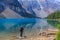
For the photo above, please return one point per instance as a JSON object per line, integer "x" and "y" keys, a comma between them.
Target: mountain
{"x": 1, "y": 7}
{"x": 16, "y": 7}
{"x": 8, "y": 13}
{"x": 32, "y": 8}
{"x": 41, "y": 8}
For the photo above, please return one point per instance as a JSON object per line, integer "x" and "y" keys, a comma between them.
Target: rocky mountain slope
{"x": 16, "y": 7}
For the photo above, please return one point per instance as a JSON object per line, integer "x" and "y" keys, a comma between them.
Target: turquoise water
{"x": 30, "y": 25}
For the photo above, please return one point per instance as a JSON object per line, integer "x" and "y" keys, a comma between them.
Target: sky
{"x": 57, "y": 0}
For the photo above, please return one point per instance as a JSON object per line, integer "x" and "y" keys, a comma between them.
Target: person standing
{"x": 21, "y": 31}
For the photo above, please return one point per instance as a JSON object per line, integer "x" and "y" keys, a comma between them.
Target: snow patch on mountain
{"x": 42, "y": 8}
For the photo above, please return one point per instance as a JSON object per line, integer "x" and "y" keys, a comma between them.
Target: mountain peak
{"x": 45, "y": 7}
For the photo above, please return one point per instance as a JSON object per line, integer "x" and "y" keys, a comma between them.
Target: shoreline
{"x": 51, "y": 34}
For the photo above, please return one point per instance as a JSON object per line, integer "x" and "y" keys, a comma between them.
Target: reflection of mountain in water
{"x": 13, "y": 25}
{"x": 53, "y": 22}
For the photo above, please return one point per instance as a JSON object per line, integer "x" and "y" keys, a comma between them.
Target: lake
{"x": 32, "y": 26}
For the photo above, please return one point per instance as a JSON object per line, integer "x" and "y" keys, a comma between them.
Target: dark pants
{"x": 21, "y": 33}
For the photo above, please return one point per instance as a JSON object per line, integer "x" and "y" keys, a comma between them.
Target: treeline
{"x": 55, "y": 15}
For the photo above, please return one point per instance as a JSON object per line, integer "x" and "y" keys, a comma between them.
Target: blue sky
{"x": 57, "y": 0}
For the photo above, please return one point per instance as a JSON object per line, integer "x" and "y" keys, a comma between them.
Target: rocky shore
{"x": 45, "y": 35}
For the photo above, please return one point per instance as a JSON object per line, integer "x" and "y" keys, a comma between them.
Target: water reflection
{"x": 31, "y": 26}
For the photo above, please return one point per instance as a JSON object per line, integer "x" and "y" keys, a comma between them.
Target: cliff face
{"x": 16, "y": 7}
{"x": 1, "y": 7}
{"x": 41, "y": 8}
{"x": 33, "y": 8}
